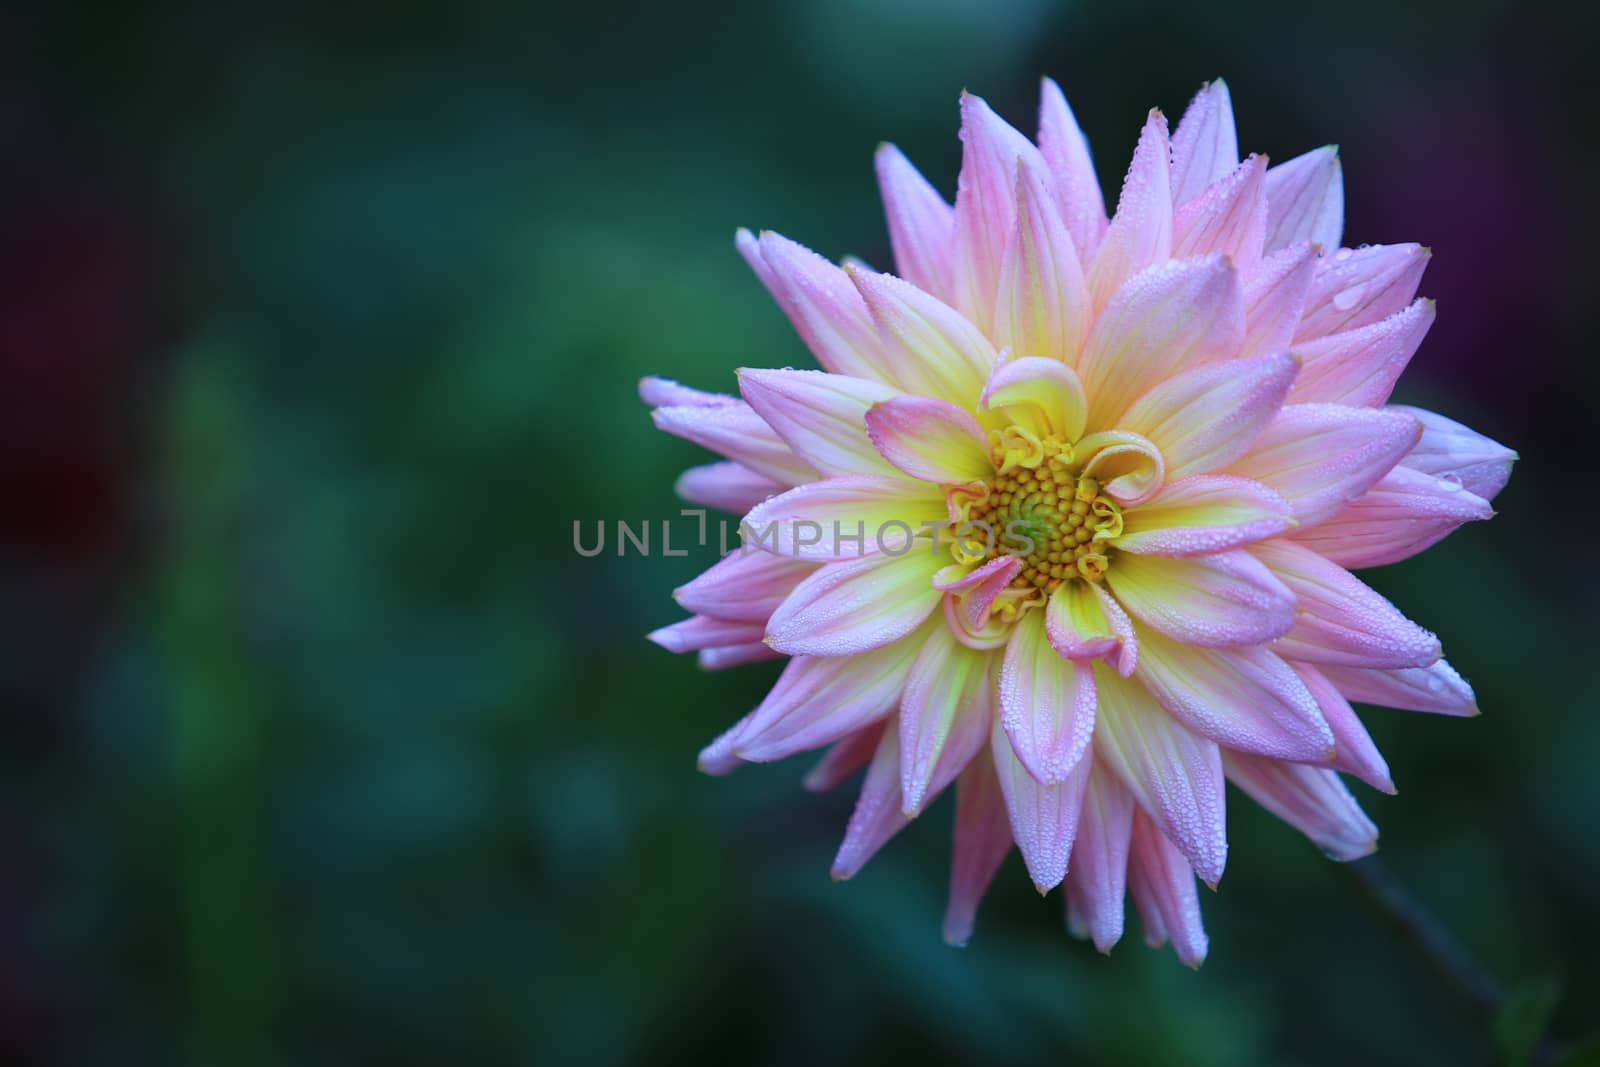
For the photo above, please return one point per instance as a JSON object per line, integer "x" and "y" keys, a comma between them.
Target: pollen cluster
{"x": 1039, "y": 507}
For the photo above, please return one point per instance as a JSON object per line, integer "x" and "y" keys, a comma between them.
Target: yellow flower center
{"x": 1038, "y": 507}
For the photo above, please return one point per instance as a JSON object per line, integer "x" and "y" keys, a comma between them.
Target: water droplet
{"x": 1450, "y": 482}
{"x": 1345, "y": 299}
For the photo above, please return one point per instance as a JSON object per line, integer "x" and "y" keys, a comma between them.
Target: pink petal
{"x": 1219, "y": 601}
{"x": 1164, "y": 892}
{"x": 878, "y": 815}
{"x": 1451, "y": 451}
{"x": 1275, "y": 292}
{"x": 1406, "y": 512}
{"x": 844, "y": 759}
{"x": 1305, "y": 200}
{"x": 718, "y": 758}
{"x": 703, "y": 631}
{"x": 922, "y": 227}
{"x": 726, "y": 487}
{"x": 1230, "y": 217}
{"x": 1140, "y": 235}
{"x": 819, "y": 699}
{"x": 822, "y": 416}
{"x": 982, "y": 840}
{"x": 737, "y": 432}
{"x": 1354, "y": 751}
{"x": 1046, "y": 703}
{"x": 1342, "y": 620}
{"x": 1438, "y": 689}
{"x": 824, "y": 308}
{"x": 1044, "y": 818}
{"x": 1084, "y": 622}
{"x": 1204, "y": 513}
{"x": 986, "y": 200}
{"x": 933, "y": 349}
{"x": 1042, "y": 304}
{"x": 1244, "y": 698}
{"x": 977, "y": 587}
{"x": 846, "y": 518}
{"x": 1175, "y": 776}
{"x": 1360, "y": 366}
{"x": 1311, "y": 799}
{"x": 1355, "y": 287}
{"x": 1322, "y": 457}
{"x": 847, "y": 608}
{"x": 1097, "y": 881}
{"x": 1066, "y": 153}
{"x": 1205, "y": 418}
{"x": 1043, "y": 392}
{"x": 743, "y": 585}
{"x": 1175, "y": 315}
{"x": 1205, "y": 147}
{"x": 930, "y": 439}
{"x": 728, "y": 656}
{"x": 1127, "y": 465}
{"x": 666, "y": 393}
{"x": 948, "y": 682}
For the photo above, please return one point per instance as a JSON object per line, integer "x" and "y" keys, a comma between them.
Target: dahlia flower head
{"x": 1069, "y": 515}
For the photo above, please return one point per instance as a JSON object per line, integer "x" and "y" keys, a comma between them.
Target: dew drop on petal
{"x": 1450, "y": 482}
{"x": 1345, "y": 299}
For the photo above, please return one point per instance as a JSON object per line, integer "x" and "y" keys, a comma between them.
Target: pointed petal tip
{"x": 956, "y": 940}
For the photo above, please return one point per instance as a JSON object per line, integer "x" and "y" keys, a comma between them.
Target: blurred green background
{"x": 321, "y": 328}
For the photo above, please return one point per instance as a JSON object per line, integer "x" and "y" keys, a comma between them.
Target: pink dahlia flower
{"x": 1068, "y": 516}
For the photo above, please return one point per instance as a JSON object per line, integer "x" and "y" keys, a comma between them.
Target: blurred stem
{"x": 216, "y": 724}
{"x": 1432, "y": 939}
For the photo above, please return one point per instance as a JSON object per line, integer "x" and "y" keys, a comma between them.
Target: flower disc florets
{"x": 1040, "y": 508}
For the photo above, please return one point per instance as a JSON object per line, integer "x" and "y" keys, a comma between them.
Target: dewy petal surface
{"x": 1066, "y": 154}
{"x": 1305, "y": 200}
{"x": 1046, "y": 703}
{"x": 1044, "y": 818}
{"x": 1177, "y": 314}
{"x": 1404, "y": 513}
{"x": 1323, "y": 457}
{"x": 1097, "y": 879}
{"x": 1205, "y": 418}
{"x": 1042, "y": 306}
{"x": 1450, "y": 451}
{"x": 1223, "y": 600}
{"x": 1140, "y": 235}
{"x": 821, "y": 416}
{"x": 845, "y": 518}
{"x": 823, "y": 306}
{"x": 852, "y": 607}
{"x": 1206, "y": 145}
{"x": 931, "y": 440}
{"x": 1175, "y": 776}
{"x": 1205, "y": 513}
{"x": 922, "y": 227}
{"x": 1245, "y": 698}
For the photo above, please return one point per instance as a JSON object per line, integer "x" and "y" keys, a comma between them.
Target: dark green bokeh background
{"x": 324, "y": 747}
